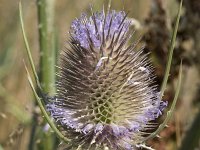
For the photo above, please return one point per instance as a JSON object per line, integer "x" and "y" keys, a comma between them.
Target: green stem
{"x": 47, "y": 57}
{"x": 46, "y": 41}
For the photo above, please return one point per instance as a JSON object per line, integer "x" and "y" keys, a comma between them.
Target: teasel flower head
{"x": 106, "y": 96}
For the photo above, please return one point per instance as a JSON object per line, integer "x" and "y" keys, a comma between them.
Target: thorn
{"x": 144, "y": 146}
{"x": 158, "y": 136}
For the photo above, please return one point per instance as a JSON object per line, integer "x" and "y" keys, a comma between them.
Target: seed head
{"x": 106, "y": 97}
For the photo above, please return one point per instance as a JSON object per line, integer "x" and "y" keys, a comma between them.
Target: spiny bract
{"x": 105, "y": 93}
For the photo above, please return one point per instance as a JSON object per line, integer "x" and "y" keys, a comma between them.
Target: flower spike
{"x": 106, "y": 97}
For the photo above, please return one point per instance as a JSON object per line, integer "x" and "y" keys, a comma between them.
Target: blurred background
{"x": 22, "y": 126}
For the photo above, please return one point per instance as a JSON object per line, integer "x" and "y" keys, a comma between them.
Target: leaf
{"x": 28, "y": 47}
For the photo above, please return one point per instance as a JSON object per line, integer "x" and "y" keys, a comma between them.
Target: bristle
{"x": 105, "y": 96}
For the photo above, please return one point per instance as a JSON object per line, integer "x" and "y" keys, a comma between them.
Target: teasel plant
{"x": 106, "y": 97}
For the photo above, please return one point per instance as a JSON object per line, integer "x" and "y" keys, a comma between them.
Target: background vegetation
{"x": 21, "y": 124}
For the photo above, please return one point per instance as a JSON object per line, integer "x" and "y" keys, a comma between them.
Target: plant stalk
{"x": 46, "y": 43}
{"x": 47, "y": 60}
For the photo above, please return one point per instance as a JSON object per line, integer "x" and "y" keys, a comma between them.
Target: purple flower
{"x": 105, "y": 93}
